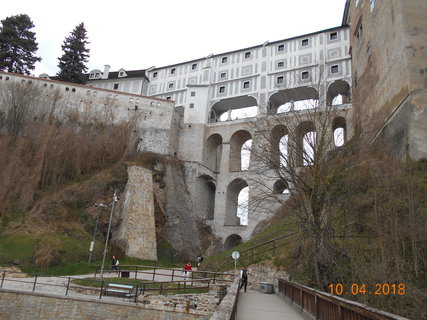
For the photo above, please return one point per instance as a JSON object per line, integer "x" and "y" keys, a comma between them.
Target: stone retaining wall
{"x": 24, "y": 305}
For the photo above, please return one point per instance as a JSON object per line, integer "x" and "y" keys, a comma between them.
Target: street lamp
{"x": 108, "y": 233}
{"x": 100, "y": 207}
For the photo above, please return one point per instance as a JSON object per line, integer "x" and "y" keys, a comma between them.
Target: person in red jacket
{"x": 187, "y": 270}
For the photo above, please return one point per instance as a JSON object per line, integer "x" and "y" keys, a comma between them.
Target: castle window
{"x": 173, "y": 70}
{"x": 281, "y": 47}
{"x": 193, "y": 93}
{"x": 121, "y": 74}
{"x": 191, "y": 105}
{"x": 222, "y": 89}
{"x": 224, "y": 60}
{"x": 247, "y": 55}
{"x": 223, "y": 75}
{"x": 279, "y": 79}
{"x": 280, "y": 64}
{"x": 194, "y": 66}
{"x": 333, "y": 36}
{"x": 116, "y": 86}
{"x": 246, "y": 85}
{"x": 168, "y": 98}
{"x": 304, "y": 75}
{"x": 334, "y": 69}
{"x": 154, "y": 74}
{"x": 304, "y": 42}
{"x": 171, "y": 85}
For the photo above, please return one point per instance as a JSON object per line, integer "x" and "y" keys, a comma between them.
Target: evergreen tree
{"x": 18, "y": 45}
{"x": 72, "y": 63}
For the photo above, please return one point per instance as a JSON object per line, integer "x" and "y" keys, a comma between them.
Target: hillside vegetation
{"x": 378, "y": 216}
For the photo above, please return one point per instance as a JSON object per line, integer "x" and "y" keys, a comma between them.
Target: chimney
{"x": 106, "y": 71}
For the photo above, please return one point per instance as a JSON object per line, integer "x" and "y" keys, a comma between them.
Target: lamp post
{"x": 100, "y": 207}
{"x": 108, "y": 233}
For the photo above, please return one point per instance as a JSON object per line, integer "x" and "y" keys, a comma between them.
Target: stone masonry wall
{"x": 137, "y": 232}
{"x": 23, "y": 305}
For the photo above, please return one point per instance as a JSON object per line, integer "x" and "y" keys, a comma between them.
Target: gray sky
{"x": 138, "y": 34}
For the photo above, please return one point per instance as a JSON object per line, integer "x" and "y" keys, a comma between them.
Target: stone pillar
{"x": 137, "y": 232}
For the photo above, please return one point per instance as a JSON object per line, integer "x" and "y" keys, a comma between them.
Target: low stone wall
{"x": 265, "y": 273}
{"x": 24, "y": 305}
{"x": 224, "y": 310}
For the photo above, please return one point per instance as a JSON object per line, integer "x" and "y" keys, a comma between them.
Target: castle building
{"x": 388, "y": 48}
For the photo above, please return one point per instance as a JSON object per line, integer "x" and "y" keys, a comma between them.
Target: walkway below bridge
{"x": 254, "y": 305}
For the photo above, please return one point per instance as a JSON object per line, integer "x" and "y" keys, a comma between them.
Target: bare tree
{"x": 294, "y": 149}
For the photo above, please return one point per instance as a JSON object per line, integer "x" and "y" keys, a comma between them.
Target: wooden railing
{"x": 250, "y": 255}
{"x": 323, "y": 306}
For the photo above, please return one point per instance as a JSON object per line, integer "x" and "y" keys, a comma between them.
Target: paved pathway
{"x": 261, "y": 306}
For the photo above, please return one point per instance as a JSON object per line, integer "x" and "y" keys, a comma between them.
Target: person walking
{"x": 114, "y": 263}
{"x": 244, "y": 278}
{"x": 199, "y": 260}
{"x": 187, "y": 270}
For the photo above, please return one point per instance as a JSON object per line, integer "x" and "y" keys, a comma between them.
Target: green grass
{"x": 171, "y": 287}
{"x": 275, "y": 230}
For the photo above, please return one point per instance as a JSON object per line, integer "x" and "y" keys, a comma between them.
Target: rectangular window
{"x": 281, "y": 47}
{"x": 224, "y": 60}
{"x": 246, "y": 85}
{"x": 334, "y": 69}
{"x": 333, "y": 36}
{"x": 304, "y": 75}
{"x": 279, "y": 79}
{"x": 280, "y": 64}
{"x": 170, "y": 85}
{"x": 247, "y": 55}
{"x": 222, "y": 89}
{"x": 155, "y": 75}
{"x": 168, "y": 98}
{"x": 194, "y": 66}
{"x": 116, "y": 86}
{"x": 173, "y": 70}
{"x": 304, "y": 42}
{"x": 222, "y": 75}
{"x": 191, "y": 105}
{"x": 193, "y": 93}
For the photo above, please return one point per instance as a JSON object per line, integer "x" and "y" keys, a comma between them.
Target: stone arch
{"x": 236, "y": 105}
{"x": 205, "y": 196}
{"x": 339, "y": 128}
{"x": 338, "y": 88}
{"x": 213, "y": 152}
{"x": 237, "y": 141}
{"x": 232, "y": 202}
{"x": 299, "y": 98}
{"x": 279, "y": 146}
{"x": 232, "y": 241}
{"x": 305, "y": 143}
{"x": 281, "y": 187}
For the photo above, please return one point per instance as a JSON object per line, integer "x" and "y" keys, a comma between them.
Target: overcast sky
{"x": 138, "y": 34}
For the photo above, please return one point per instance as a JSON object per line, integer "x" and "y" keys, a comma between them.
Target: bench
{"x": 123, "y": 290}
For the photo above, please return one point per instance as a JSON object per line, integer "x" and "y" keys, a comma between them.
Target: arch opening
{"x": 295, "y": 99}
{"x": 279, "y": 146}
{"x": 213, "y": 152}
{"x": 281, "y": 187}
{"x": 233, "y": 109}
{"x": 339, "y": 92}
{"x": 339, "y": 127}
{"x": 232, "y": 241}
{"x": 238, "y": 149}
{"x": 306, "y": 143}
{"x": 236, "y": 203}
{"x": 205, "y": 195}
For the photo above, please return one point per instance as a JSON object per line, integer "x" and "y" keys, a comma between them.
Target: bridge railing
{"x": 323, "y": 306}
